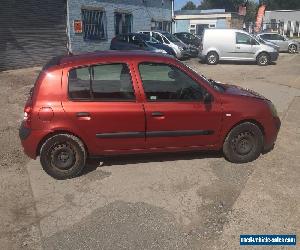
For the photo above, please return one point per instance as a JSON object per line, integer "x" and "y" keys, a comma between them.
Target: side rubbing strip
{"x": 177, "y": 133}
{"x": 121, "y": 135}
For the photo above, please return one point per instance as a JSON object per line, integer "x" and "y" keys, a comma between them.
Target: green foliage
{"x": 281, "y": 4}
{"x": 189, "y": 6}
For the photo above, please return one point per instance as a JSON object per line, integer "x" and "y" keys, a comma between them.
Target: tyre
{"x": 244, "y": 143}
{"x": 292, "y": 48}
{"x": 212, "y": 58}
{"x": 63, "y": 156}
{"x": 263, "y": 59}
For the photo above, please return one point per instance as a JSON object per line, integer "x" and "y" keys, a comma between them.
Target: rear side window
{"x": 109, "y": 82}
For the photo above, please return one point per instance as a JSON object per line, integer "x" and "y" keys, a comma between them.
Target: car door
{"x": 176, "y": 115}
{"x": 280, "y": 41}
{"x": 244, "y": 49}
{"x": 102, "y": 107}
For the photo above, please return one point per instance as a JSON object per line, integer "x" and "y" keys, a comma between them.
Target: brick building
{"x": 93, "y": 23}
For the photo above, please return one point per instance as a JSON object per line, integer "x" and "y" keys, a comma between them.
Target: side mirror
{"x": 172, "y": 74}
{"x": 207, "y": 98}
{"x": 253, "y": 42}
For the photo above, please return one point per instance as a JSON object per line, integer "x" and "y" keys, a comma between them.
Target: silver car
{"x": 180, "y": 49}
{"x": 234, "y": 45}
{"x": 283, "y": 42}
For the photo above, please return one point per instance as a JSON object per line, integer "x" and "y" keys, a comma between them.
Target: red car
{"x": 111, "y": 103}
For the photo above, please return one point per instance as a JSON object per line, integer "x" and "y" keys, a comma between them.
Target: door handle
{"x": 157, "y": 114}
{"x": 83, "y": 116}
{"x": 238, "y": 47}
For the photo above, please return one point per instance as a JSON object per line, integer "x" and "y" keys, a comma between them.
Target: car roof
{"x": 94, "y": 57}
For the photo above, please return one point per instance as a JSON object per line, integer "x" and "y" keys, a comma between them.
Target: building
{"x": 93, "y": 23}
{"x": 283, "y": 21}
{"x": 31, "y": 32}
{"x": 195, "y": 21}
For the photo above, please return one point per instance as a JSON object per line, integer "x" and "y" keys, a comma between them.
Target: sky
{"x": 180, "y": 3}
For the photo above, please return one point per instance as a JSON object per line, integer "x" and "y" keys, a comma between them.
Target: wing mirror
{"x": 253, "y": 42}
{"x": 173, "y": 74}
{"x": 207, "y": 98}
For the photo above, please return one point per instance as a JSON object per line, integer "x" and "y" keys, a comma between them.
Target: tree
{"x": 281, "y": 4}
{"x": 189, "y": 6}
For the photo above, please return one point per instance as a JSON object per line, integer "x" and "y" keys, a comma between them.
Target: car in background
{"x": 234, "y": 45}
{"x": 129, "y": 102}
{"x": 283, "y": 42}
{"x": 275, "y": 46}
{"x": 191, "y": 40}
{"x": 181, "y": 50}
{"x": 133, "y": 41}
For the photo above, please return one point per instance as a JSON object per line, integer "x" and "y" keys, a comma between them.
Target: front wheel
{"x": 244, "y": 143}
{"x": 63, "y": 156}
{"x": 292, "y": 49}
{"x": 263, "y": 59}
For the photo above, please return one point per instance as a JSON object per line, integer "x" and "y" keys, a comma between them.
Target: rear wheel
{"x": 244, "y": 143}
{"x": 263, "y": 59}
{"x": 63, "y": 156}
{"x": 292, "y": 48}
{"x": 212, "y": 58}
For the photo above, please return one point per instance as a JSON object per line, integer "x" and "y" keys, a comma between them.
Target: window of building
{"x": 161, "y": 25}
{"x": 107, "y": 82}
{"x": 123, "y": 23}
{"x": 94, "y": 24}
{"x": 163, "y": 82}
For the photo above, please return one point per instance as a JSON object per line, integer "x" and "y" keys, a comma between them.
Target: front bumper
{"x": 274, "y": 56}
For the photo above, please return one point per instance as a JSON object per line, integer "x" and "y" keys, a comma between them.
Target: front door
{"x": 244, "y": 49}
{"x": 102, "y": 108}
{"x": 176, "y": 115}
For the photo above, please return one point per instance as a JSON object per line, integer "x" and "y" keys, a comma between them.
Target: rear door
{"x": 102, "y": 107}
{"x": 176, "y": 115}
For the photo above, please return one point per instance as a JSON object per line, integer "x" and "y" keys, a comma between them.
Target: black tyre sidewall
{"x": 234, "y": 157}
{"x": 215, "y": 54}
{"x": 77, "y": 147}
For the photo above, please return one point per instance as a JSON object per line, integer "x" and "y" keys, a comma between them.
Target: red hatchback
{"x": 111, "y": 103}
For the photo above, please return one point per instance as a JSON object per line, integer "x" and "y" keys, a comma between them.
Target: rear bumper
{"x": 30, "y": 140}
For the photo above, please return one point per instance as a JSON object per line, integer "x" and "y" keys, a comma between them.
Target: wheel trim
{"x": 263, "y": 60}
{"x": 292, "y": 48}
{"x": 212, "y": 59}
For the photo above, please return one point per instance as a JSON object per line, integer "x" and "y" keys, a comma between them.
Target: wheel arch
{"x": 255, "y": 122}
{"x": 57, "y": 132}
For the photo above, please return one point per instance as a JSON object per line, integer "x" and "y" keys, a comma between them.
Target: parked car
{"x": 133, "y": 41}
{"x": 191, "y": 40}
{"x": 238, "y": 45}
{"x": 283, "y": 42}
{"x": 181, "y": 50}
{"x": 275, "y": 46}
{"x": 121, "y": 102}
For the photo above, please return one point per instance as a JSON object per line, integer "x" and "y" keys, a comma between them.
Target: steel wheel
{"x": 212, "y": 58}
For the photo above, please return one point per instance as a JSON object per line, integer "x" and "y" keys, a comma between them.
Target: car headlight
{"x": 160, "y": 51}
{"x": 273, "y": 109}
{"x": 180, "y": 48}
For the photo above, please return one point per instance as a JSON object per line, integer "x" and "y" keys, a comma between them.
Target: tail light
{"x": 27, "y": 116}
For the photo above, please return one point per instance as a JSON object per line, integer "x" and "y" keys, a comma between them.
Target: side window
{"x": 162, "y": 82}
{"x": 108, "y": 82}
{"x": 277, "y": 37}
{"x": 242, "y": 38}
{"x": 157, "y": 37}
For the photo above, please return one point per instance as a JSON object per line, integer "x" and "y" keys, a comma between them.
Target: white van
{"x": 231, "y": 44}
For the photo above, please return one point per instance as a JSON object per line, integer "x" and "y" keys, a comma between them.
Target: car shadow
{"x": 236, "y": 63}
{"x": 93, "y": 163}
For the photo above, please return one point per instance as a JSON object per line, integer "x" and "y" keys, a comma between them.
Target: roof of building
{"x": 199, "y": 12}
